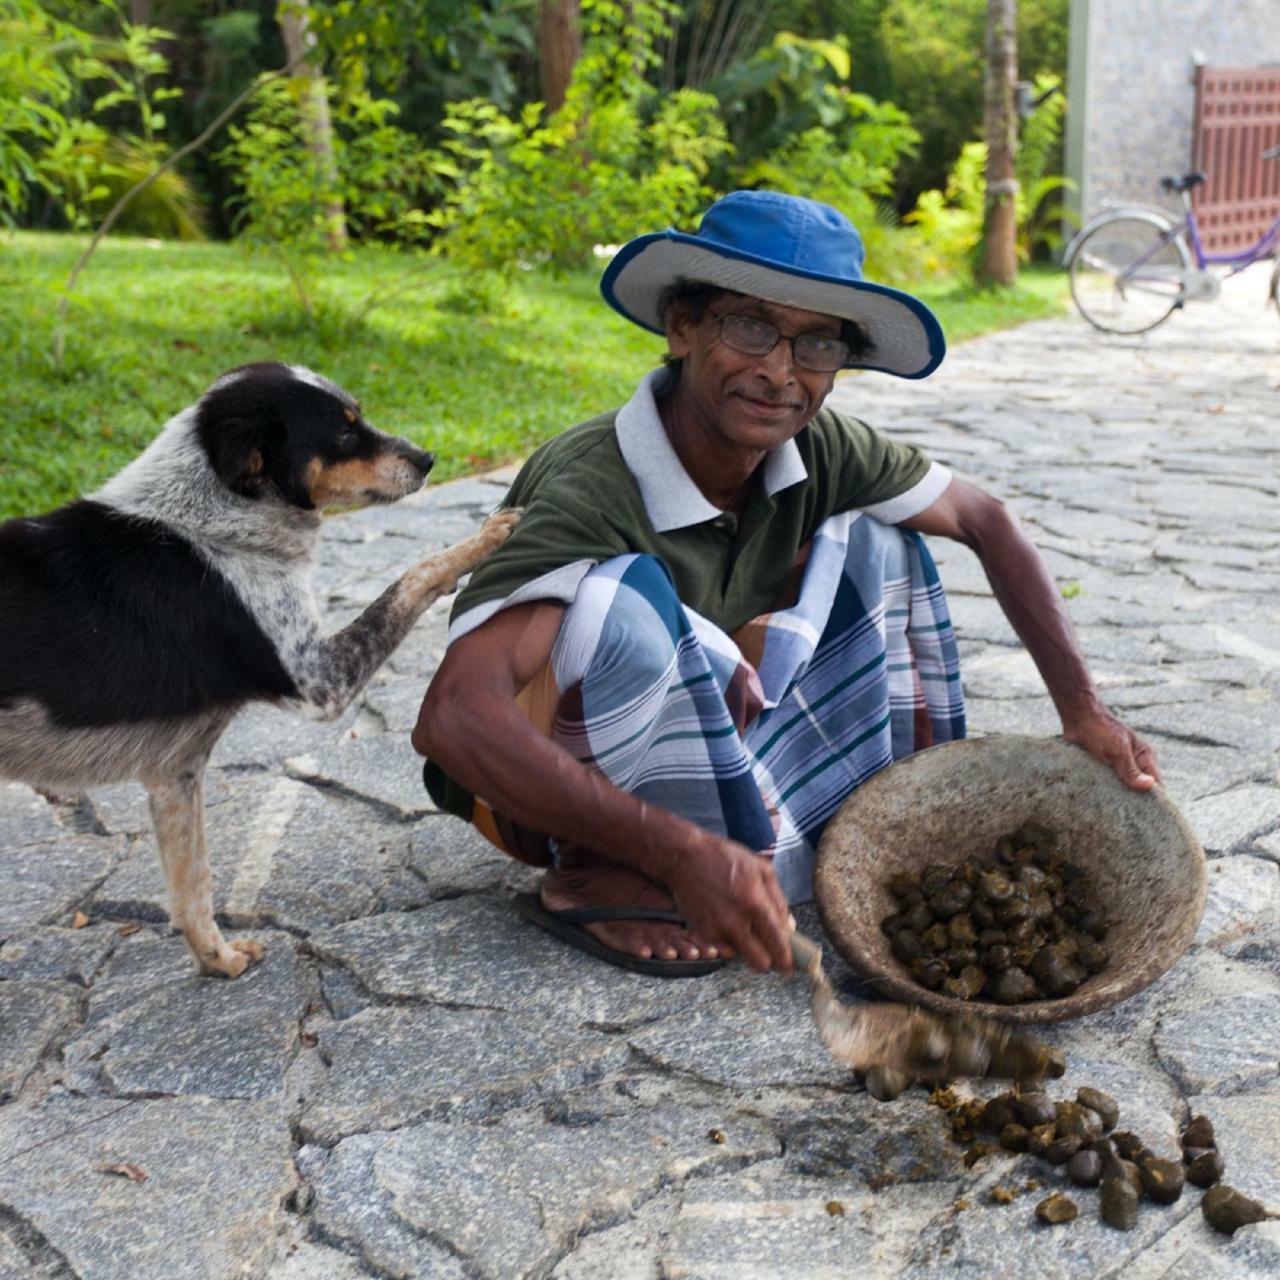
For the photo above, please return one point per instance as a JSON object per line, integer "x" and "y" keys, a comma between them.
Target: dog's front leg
{"x": 339, "y": 667}
{"x": 177, "y": 810}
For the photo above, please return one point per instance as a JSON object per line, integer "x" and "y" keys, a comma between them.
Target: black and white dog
{"x": 136, "y": 622}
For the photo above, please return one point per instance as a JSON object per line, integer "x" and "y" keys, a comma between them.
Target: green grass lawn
{"x": 480, "y": 380}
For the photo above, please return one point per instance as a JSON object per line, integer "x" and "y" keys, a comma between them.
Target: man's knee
{"x": 624, "y": 626}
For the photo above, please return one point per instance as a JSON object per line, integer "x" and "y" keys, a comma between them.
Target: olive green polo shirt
{"x": 615, "y": 485}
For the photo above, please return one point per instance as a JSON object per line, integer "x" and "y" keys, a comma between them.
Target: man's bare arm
{"x": 470, "y": 725}
{"x": 1033, "y": 604}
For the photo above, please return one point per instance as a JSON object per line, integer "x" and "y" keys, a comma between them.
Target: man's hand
{"x": 1105, "y": 738}
{"x": 731, "y": 897}
{"x": 470, "y": 725}
{"x": 1032, "y": 602}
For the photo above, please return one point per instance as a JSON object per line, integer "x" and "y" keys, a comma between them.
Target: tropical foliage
{"x": 435, "y": 139}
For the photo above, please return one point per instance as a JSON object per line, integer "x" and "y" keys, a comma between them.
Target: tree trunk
{"x": 559, "y": 44}
{"x": 298, "y": 39}
{"x": 1000, "y": 227}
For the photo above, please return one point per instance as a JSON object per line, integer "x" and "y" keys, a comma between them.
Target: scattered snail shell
{"x": 884, "y": 1083}
{"x": 1162, "y": 1180}
{"x": 1092, "y": 956}
{"x": 1013, "y": 1137}
{"x": 1198, "y": 1133}
{"x": 1206, "y": 1169}
{"x": 1054, "y": 975}
{"x": 951, "y": 900}
{"x": 1056, "y": 1209}
{"x": 906, "y": 945}
{"x": 982, "y": 914}
{"x": 903, "y": 883}
{"x": 1014, "y": 913}
{"x": 1040, "y": 1138}
{"x": 1062, "y": 1148}
{"x": 995, "y": 887}
{"x": 1068, "y": 946}
{"x": 936, "y": 877}
{"x": 1076, "y": 1120}
{"x": 1132, "y": 1172}
{"x": 1094, "y": 923}
{"x": 1013, "y": 986}
{"x": 1032, "y": 878}
{"x": 918, "y": 917}
{"x": 1103, "y": 1105}
{"x": 1023, "y": 934}
{"x": 1035, "y": 1107}
{"x": 1128, "y": 1145}
{"x": 891, "y": 924}
{"x": 1085, "y": 1168}
{"x": 928, "y": 972}
{"x": 1041, "y": 907}
{"x": 1000, "y": 1111}
{"x": 1118, "y": 1201}
{"x": 977, "y": 1152}
{"x": 936, "y": 937}
{"x": 1225, "y": 1209}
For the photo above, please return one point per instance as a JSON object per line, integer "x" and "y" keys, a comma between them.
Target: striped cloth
{"x": 759, "y": 736}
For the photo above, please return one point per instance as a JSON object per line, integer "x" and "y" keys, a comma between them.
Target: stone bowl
{"x": 954, "y": 801}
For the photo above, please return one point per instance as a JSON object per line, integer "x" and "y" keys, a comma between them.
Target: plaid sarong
{"x": 759, "y": 736}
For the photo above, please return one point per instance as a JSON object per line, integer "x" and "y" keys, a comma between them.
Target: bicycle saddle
{"x": 1184, "y": 183}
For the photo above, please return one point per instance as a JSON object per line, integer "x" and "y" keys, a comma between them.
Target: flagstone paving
{"x": 415, "y": 1082}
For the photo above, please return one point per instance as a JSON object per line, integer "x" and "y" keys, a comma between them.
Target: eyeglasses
{"x": 755, "y": 337}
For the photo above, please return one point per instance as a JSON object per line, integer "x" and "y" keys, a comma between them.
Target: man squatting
{"x": 717, "y": 617}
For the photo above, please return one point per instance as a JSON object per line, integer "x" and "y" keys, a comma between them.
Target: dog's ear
{"x": 284, "y": 467}
{"x": 235, "y": 452}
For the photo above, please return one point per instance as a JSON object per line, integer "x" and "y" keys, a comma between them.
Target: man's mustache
{"x": 766, "y": 397}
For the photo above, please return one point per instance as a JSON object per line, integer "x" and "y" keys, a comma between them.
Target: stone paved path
{"x": 415, "y": 1083}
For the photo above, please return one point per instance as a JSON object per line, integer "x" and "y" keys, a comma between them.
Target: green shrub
{"x": 168, "y": 209}
{"x": 383, "y": 178}
{"x": 951, "y": 222}
{"x": 850, "y": 164}
{"x": 85, "y": 168}
{"x": 535, "y": 190}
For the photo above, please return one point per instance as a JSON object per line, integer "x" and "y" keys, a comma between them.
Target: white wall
{"x": 1131, "y": 95}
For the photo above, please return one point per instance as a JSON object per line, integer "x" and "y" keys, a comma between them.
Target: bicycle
{"x": 1132, "y": 267}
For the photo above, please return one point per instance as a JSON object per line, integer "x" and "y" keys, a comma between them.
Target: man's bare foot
{"x": 584, "y": 880}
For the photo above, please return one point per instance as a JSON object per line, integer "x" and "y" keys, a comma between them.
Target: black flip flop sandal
{"x": 567, "y": 925}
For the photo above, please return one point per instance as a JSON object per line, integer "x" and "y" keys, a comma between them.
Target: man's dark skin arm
{"x": 472, "y": 727}
{"x": 1033, "y": 604}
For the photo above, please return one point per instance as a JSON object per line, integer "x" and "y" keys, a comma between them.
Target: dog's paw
{"x": 231, "y": 960}
{"x": 500, "y": 526}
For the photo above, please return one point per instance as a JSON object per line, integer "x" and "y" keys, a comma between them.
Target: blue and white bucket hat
{"x": 788, "y": 250}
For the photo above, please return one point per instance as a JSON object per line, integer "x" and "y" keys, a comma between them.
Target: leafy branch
{"x": 113, "y": 214}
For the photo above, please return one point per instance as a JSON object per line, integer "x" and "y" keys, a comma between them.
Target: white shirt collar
{"x": 671, "y": 499}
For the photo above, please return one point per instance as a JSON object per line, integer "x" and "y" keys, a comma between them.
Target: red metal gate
{"x": 1237, "y": 119}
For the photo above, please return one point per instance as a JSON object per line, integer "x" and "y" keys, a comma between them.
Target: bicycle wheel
{"x": 1127, "y": 273}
